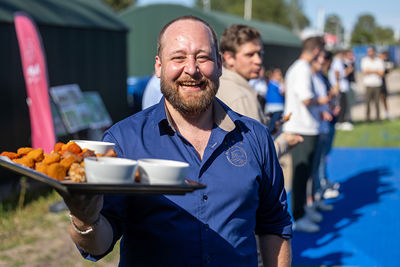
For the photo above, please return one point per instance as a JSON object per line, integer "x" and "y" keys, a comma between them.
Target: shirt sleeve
{"x": 272, "y": 215}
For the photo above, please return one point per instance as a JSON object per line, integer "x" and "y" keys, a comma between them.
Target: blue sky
{"x": 386, "y": 12}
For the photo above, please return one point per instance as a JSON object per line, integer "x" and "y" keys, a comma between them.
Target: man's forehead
{"x": 180, "y": 30}
{"x": 177, "y": 27}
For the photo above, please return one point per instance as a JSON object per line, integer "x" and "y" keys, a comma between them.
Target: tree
{"x": 363, "y": 32}
{"x": 276, "y": 11}
{"x": 333, "y": 25}
{"x": 384, "y": 35}
{"x": 118, "y": 5}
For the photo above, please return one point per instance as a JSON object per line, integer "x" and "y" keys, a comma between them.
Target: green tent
{"x": 145, "y": 22}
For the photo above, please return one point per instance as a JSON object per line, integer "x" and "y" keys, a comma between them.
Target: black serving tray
{"x": 69, "y": 186}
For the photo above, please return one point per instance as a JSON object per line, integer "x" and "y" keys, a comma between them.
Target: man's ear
{"x": 229, "y": 59}
{"x": 157, "y": 67}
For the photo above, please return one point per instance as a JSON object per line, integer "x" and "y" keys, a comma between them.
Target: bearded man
{"x": 231, "y": 154}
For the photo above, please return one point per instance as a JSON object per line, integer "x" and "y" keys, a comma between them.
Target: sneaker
{"x": 325, "y": 184}
{"x": 347, "y": 126}
{"x": 331, "y": 193}
{"x": 312, "y": 214}
{"x": 322, "y": 206}
{"x": 305, "y": 225}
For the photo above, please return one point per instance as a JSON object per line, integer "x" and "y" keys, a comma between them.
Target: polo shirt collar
{"x": 220, "y": 116}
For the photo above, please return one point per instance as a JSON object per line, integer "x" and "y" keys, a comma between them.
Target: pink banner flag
{"x": 35, "y": 74}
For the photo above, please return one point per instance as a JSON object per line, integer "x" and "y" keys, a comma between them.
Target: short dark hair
{"x": 189, "y": 17}
{"x": 312, "y": 43}
{"x": 236, "y": 35}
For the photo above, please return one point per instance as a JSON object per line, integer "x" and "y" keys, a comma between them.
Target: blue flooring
{"x": 364, "y": 228}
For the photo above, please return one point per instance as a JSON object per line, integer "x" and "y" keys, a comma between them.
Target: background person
{"x": 301, "y": 101}
{"x": 275, "y": 97}
{"x": 152, "y": 93}
{"x": 233, "y": 155}
{"x": 383, "y": 94}
{"x": 373, "y": 70}
{"x": 260, "y": 85}
{"x": 337, "y": 77}
{"x": 241, "y": 49}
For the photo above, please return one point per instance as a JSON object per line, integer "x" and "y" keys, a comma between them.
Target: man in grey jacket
{"x": 242, "y": 51}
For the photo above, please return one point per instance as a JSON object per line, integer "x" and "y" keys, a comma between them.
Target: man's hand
{"x": 85, "y": 208}
{"x": 293, "y": 139}
{"x": 326, "y": 116}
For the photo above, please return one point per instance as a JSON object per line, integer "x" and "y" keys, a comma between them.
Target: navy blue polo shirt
{"x": 214, "y": 226}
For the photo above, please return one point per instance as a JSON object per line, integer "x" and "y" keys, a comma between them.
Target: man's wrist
{"x": 81, "y": 227}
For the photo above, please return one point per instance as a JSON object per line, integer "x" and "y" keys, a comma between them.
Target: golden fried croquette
{"x": 57, "y": 147}
{"x": 41, "y": 167}
{"x": 110, "y": 153}
{"x": 67, "y": 162}
{"x": 10, "y": 155}
{"x": 71, "y": 146}
{"x": 57, "y": 171}
{"x": 28, "y": 162}
{"x": 51, "y": 158}
{"x": 68, "y": 154}
{"x": 36, "y": 154}
{"x": 24, "y": 150}
{"x": 87, "y": 153}
{"x": 77, "y": 173}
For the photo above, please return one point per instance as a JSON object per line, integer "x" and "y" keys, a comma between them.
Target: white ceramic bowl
{"x": 161, "y": 171}
{"x": 97, "y": 146}
{"x": 110, "y": 170}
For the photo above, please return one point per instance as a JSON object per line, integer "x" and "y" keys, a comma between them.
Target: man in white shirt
{"x": 338, "y": 77}
{"x": 302, "y": 102}
{"x": 373, "y": 69}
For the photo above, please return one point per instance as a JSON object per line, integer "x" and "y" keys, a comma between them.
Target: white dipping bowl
{"x": 161, "y": 171}
{"x": 108, "y": 170}
{"x": 97, "y": 146}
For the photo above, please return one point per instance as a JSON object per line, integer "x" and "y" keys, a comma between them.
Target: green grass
{"x": 383, "y": 134}
{"x": 26, "y": 224}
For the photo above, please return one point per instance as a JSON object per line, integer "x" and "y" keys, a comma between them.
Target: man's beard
{"x": 190, "y": 103}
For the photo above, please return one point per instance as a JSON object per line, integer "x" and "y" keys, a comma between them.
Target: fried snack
{"x": 67, "y": 162}
{"x": 71, "y": 146}
{"x": 41, "y": 167}
{"x": 77, "y": 173}
{"x": 137, "y": 177}
{"x": 57, "y": 171}
{"x": 24, "y": 150}
{"x": 57, "y": 147}
{"x": 87, "y": 153}
{"x": 51, "y": 158}
{"x": 28, "y": 162}
{"x": 36, "y": 154}
{"x": 10, "y": 155}
{"x": 68, "y": 154}
{"x": 111, "y": 153}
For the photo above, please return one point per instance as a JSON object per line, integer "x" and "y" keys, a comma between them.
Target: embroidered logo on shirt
{"x": 236, "y": 156}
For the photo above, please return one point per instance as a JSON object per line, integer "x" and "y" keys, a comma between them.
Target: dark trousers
{"x": 372, "y": 94}
{"x": 343, "y": 107}
{"x": 302, "y": 159}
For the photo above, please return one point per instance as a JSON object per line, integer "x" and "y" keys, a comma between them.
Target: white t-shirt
{"x": 304, "y": 120}
{"x": 321, "y": 91}
{"x": 338, "y": 65}
{"x": 375, "y": 64}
